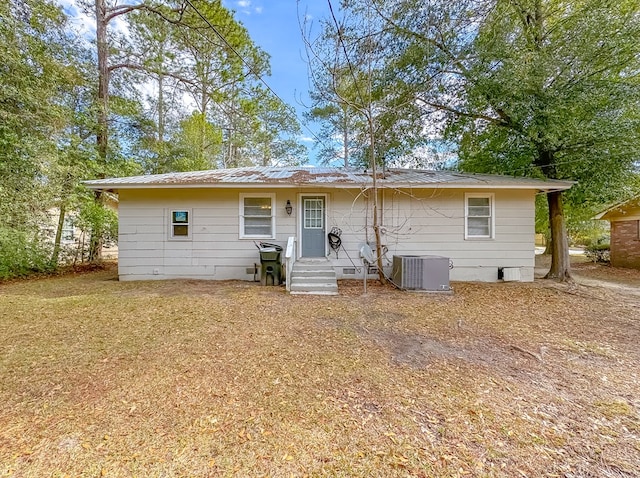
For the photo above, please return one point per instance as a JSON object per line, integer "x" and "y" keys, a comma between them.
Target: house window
{"x": 180, "y": 224}
{"x": 314, "y": 213}
{"x": 479, "y": 216}
{"x": 68, "y": 231}
{"x": 257, "y": 219}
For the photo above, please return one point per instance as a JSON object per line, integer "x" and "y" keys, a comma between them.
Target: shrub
{"x": 100, "y": 224}
{"x": 598, "y": 252}
{"x": 21, "y": 255}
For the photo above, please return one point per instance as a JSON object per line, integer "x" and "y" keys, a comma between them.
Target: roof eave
{"x": 107, "y": 187}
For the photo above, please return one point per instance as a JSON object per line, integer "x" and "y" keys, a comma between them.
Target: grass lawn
{"x": 187, "y": 378}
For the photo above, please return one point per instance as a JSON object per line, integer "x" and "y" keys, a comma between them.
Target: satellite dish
{"x": 367, "y": 254}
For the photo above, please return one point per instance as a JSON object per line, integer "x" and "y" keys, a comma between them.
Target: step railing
{"x": 289, "y": 259}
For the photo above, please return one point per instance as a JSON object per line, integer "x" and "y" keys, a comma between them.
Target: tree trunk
{"x": 95, "y": 241}
{"x": 103, "y": 79}
{"x": 376, "y": 219}
{"x": 345, "y": 136}
{"x": 560, "y": 265}
{"x": 160, "y": 108}
{"x": 548, "y": 243}
{"x": 56, "y": 244}
{"x": 102, "y": 131}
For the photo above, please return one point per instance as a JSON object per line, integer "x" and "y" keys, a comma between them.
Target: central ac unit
{"x": 421, "y": 272}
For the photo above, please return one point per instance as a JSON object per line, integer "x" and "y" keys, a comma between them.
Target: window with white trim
{"x": 68, "y": 230}
{"x": 479, "y": 216}
{"x": 180, "y": 227}
{"x": 257, "y": 216}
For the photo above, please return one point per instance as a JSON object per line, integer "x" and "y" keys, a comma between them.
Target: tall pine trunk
{"x": 160, "y": 108}
{"x": 103, "y": 79}
{"x": 102, "y": 132}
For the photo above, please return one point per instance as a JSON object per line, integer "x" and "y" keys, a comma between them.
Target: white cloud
{"x": 246, "y": 7}
{"x": 307, "y": 139}
{"x": 82, "y": 21}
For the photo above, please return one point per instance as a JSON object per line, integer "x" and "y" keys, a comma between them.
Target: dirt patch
{"x": 414, "y": 350}
{"x": 617, "y": 279}
{"x": 584, "y": 269}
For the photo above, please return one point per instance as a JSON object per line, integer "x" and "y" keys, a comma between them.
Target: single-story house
{"x": 205, "y": 224}
{"x": 624, "y": 218}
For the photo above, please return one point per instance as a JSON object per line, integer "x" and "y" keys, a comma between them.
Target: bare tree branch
{"x": 497, "y": 121}
{"x": 113, "y": 12}
{"x": 134, "y": 66}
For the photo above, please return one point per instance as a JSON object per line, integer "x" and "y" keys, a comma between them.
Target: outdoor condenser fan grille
{"x": 421, "y": 272}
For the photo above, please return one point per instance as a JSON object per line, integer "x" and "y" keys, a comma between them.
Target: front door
{"x": 313, "y": 226}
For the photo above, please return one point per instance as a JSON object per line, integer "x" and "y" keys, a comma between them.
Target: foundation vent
{"x": 511, "y": 274}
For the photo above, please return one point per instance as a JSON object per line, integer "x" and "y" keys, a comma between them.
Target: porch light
{"x": 288, "y": 207}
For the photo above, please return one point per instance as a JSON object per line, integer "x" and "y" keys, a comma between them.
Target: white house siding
{"x": 214, "y": 251}
{"x": 431, "y": 222}
{"x": 418, "y": 221}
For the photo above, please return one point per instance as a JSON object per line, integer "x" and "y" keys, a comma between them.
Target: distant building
{"x": 624, "y": 218}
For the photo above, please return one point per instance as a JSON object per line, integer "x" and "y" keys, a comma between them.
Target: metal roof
{"x": 325, "y": 177}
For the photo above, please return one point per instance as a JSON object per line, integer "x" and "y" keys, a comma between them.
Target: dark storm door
{"x": 313, "y": 226}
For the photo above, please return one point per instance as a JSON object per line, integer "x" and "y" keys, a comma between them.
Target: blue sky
{"x": 274, "y": 25}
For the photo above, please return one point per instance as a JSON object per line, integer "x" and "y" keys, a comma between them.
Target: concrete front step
{"x": 313, "y": 280}
{"x": 312, "y": 266}
{"x": 314, "y": 289}
{"x": 313, "y": 277}
{"x": 313, "y": 273}
{"x": 314, "y": 285}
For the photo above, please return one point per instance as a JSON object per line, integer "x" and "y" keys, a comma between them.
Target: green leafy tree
{"x": 205, "y": 69}
{"x": 217, "y": 78}
{"x": 42, "y": 76}
{"x": 196, "y": 144}
{"x": 100, "y": 223}
{"x": 31, "y": 70}
{"x": 273, "y": 133}
{"x": 150, "y": 60}
{"x": 545, "y": 88}
{"x": 354, "y": 92}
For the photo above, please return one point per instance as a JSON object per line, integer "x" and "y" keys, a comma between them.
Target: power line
{"x": 251, "y": 70}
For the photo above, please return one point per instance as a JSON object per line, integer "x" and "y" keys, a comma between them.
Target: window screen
{"x": 479, "y": 216}
{"x": 257, "y": 215}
